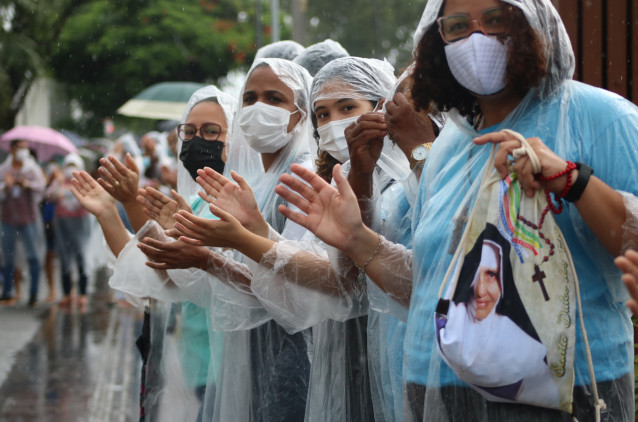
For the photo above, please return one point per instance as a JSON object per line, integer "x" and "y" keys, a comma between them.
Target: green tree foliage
{"x": 108, "y": 51}
{"x": 29, "y": 30}
{"x": 367, "y": 28}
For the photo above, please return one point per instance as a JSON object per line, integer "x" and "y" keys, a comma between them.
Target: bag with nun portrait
{"x": 506, "y": 322}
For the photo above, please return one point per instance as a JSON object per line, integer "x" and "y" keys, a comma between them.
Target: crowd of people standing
{"x": 315, "y": 217}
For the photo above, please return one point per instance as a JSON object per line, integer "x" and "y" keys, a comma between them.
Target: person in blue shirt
{"x": 496, "y": 65}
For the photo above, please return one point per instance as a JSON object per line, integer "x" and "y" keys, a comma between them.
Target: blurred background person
{"x": 47, "y": 208}
{"x": 21, "y": 180}
{"x": 72, "y": 228}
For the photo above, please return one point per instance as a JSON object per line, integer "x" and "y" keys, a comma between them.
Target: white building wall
{"x": 36, "y": 109}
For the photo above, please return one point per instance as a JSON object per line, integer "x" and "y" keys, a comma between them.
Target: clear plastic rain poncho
{"x": 265, "y": 371}
{"x": 579, "y": 123}
{"x": 286, "y": 49}
{"x": 308, "y": 284}
{"x": 316, "y": 56}
{"x": 185, "y": 354}
{"x": 232, "y": 303}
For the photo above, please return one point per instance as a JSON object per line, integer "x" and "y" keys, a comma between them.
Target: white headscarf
{"x": 186, "y": 186}
{"x": 247, "y": 162}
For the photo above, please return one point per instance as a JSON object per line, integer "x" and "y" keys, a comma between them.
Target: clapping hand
{"x": 160, "y": 207}
{"x": 173, "y": 255}
{"x": 227, "y": 232}
{"x": 331, "y": 214}
{"x": 120, "y": 180}
{"x": 237, "y": 198}
{"x": 91, "y": 195}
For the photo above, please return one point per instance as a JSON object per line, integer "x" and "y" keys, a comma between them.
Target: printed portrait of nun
{"x": 486, "y": 336}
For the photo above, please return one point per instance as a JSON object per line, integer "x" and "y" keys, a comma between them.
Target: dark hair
{"x": 15, "y": 143}
{"x": 434, "y": 82}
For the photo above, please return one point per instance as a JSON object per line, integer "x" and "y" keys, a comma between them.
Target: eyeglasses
{"x": 209, "y": 131}
{"x": 456, "y": 27}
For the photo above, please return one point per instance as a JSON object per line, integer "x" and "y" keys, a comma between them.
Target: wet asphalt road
{"x": 77, "y": 366}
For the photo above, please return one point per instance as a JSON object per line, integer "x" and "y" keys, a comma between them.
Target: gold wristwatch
{"x": 419, "y": 154}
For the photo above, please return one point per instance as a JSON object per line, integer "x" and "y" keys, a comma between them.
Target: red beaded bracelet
{"x": 567, "y": 172}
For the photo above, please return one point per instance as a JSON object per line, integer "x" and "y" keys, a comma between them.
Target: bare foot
{"x": 65, "y": 302}
{"x": 52, "y": 297}
{"x": 82, "y": 302}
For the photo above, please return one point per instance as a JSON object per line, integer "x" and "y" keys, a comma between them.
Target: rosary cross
{"x": 539, "y": 276}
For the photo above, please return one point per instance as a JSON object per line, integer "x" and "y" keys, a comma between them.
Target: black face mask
{"x": 199, "y": 153}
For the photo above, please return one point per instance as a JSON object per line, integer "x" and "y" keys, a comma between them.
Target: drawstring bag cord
{"x": 599, "y": 404}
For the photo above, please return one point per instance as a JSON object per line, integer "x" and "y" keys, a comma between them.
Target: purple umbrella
{"x": 45, "y": 141}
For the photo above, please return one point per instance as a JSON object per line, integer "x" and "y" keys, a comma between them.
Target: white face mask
{"x": 332, "y": 138}
{"x": 68, "y": 171}
{"x": 265, "y": 127}
{"x": 478, "y": 63}
{"x": 22, "y": 155}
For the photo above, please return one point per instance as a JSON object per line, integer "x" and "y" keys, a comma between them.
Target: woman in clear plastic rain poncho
{"x": 530, "y": 92}
{"x": 295, "y": 281}
{"x": 324, "y": 293}
{"x": 265, "y": 371}
{"x": 201, "y": 143}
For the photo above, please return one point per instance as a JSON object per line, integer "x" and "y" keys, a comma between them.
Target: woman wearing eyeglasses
{"x": 201, "y": 143}
{"x": 496, "y": 65}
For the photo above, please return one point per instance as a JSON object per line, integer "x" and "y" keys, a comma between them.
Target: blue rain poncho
{"x": 386, "y": 316}
{"x": 579, "y": 123}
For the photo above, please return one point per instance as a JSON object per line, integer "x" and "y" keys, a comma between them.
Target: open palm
{"x": 331, "y": 214}
{"x": 237, "y": 198}
{"x": 121, "y": 181}
{"x": 160, "y": 207}
{"x": 91, "y": 195}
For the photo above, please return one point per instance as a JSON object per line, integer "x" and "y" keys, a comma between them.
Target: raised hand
{"x": 406, "y": 126}
{"x": 91, "y": 195}
{"x": 237, "y": 198}
{"x": 160, "y": 207}
{"x": 173, "y": 255}
{"x": 120, "y": 180}
{"x": 365, "y": 141}
{"x": 331, "y": 214}
{"x": 227, "y": 232}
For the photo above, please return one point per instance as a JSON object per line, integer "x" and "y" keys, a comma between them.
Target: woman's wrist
{"x": 560, "y": 179}
{"x": 361, "y": 245}
{"x": 259, "y": 227}
{"x": 203, "y": 265}
{"x": 107, "y": 214}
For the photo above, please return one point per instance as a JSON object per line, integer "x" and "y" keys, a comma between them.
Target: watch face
{"x": 420, "y": 153}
